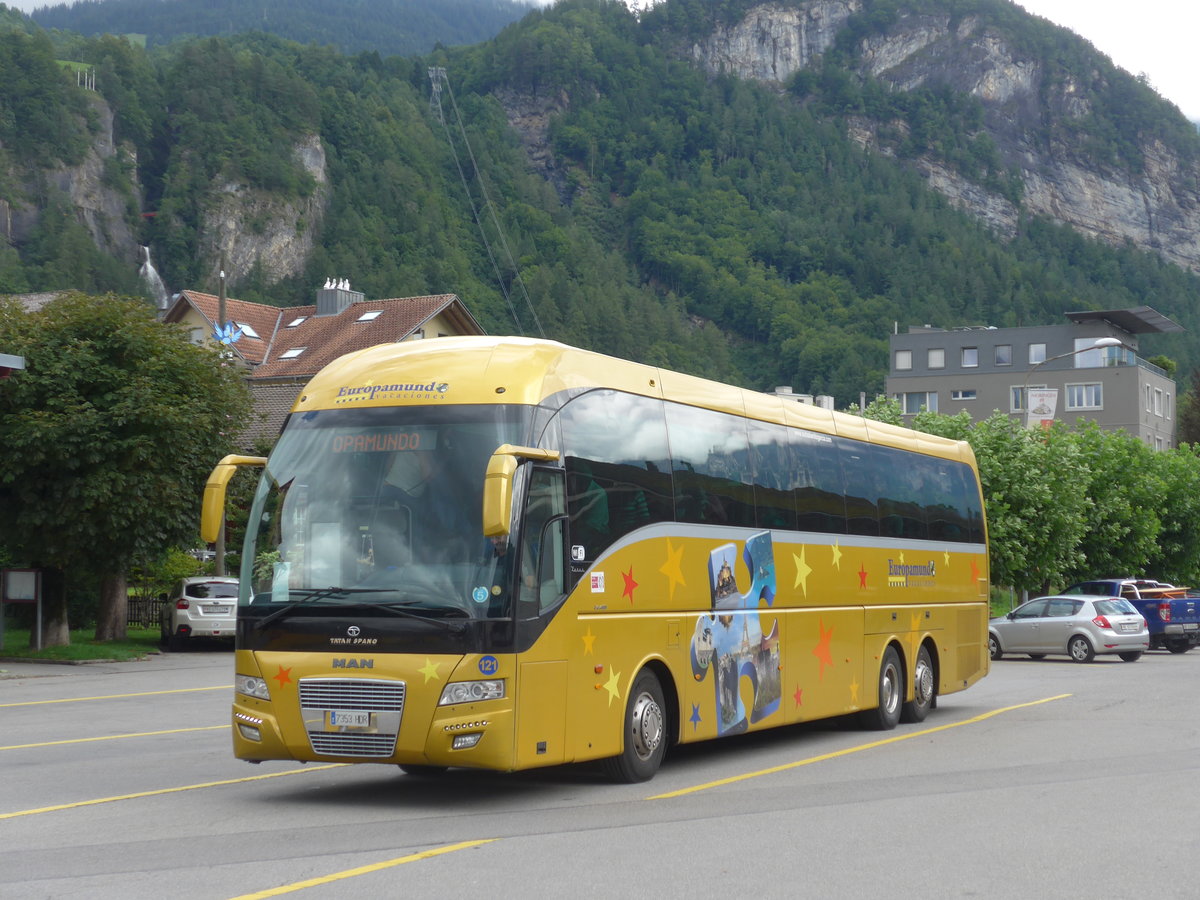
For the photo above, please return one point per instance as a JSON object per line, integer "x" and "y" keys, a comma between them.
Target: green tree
{"x": 106, "y": 440}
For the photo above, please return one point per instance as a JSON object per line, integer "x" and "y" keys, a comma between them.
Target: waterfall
{"x": 153, "y": 282}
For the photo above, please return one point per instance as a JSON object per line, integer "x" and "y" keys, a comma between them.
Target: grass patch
{"x": 138, "y": 643}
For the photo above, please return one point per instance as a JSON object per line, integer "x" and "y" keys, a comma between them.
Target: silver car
{"x": 1077, "y": 626}
{"x": 199, "y": 607}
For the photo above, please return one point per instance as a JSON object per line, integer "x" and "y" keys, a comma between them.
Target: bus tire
{"x": 924, "y": 689}
{"x": 644, "y": 733}
{"x": 890, "y": 687}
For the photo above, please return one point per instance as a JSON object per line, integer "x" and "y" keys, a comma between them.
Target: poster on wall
{"x": 1041, "y": 403}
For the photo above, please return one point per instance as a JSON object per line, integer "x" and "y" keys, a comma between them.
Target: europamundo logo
{"x": 903, "y": 575}
{"x": 432, "y": 390}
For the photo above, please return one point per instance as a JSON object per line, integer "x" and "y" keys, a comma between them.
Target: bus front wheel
{"x": 891, "y": 693}
{"x": 644, "y": 737}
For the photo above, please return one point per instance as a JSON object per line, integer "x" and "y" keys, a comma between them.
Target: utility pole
{"x": 219, "y": 556}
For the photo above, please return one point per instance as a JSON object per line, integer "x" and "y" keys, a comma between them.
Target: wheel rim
{"x": 889, "y": 688}
{"x": 647, "y": 726}
{"x": 1078, "y": 650}
{"x": 923, "y": 685}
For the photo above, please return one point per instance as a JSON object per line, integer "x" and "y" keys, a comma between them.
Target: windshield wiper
{"x": 312, "y": 597}
{"x": 404, "y": 609}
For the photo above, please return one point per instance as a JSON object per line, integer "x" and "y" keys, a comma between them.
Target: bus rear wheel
{"x": 644, "y": 738}
{"x": 924, "y": 689}
{"x": 891, "y": 694}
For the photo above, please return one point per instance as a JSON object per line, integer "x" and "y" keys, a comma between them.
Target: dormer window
{"x": 248, "y": 330}
{"x": 370, "y": 316}
{"x": 292, "y": 352}
{"x": 296, "y": 321}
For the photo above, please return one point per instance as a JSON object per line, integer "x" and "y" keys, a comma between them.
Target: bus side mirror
{"x": 497, "y": 485}
{"x": 212, "y": 512}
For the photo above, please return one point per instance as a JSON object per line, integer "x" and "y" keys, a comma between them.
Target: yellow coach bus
{"x": 505, "y": 553}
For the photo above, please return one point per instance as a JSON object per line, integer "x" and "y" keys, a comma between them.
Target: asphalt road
{"x": 1048, "y": 779}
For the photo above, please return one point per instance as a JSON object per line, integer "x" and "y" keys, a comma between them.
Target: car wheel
{"x": 924, "y": 689}
{"x": 891, "y": 694}
{"x": 1131, "y": 655}
{"x": 1037, "y": 655}
{"x": 1080, "y": 649}
{"x": 176, "y": 642}
{"x": 994, "y": 650}
{"x": 644, "y": 737}
{"x": 1179, "y": 646}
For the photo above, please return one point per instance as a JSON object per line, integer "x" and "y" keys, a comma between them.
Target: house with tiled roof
{"x": 282, "y": 348}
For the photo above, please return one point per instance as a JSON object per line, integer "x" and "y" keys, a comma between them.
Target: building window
{"x": 1167, "y": 404}
{"x": 247, "y": 330}
{"x": 913, "y": 402}
{"x": 936, "y": 358}
{"x": 1158, "y": 402}
{"x": 1004, "y": 354}
{"x": 1085, "y": 396}
{"x": 370, "y": 315}
{"x": 962, "y": 395}
{"x": 296, "y": 321}
{"x": 1016, "y": 396}
{"x": 1149, "y": 405}
{"x": 292, "y": 352}
{"x": 970, "y": 357}
{"x": 903, "y": 360}
{"x": 1159, "y": 444}
{"x": 1037, "y": 354}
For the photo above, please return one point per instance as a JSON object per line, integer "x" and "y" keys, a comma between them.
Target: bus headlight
{"x": 251, "y": 686}
{"x": 471, "y": 691}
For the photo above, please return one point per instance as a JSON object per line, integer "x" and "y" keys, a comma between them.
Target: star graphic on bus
{"x": 429, "y": 670}
{"x": 283, "y": 676}
{"x": 630, "y": 585}
{"x": 862, "y": 576}
{"x": 803, "y": 570}
{"x": 673, "y": 569}
{"x": 589, "y": 641}
{"x": 799, "y": 696}
{"x": 822, "y": 651}
{"x": 695, "y": 717}
{"x": 837, "y": 555}
{"x": 613, "y": 686}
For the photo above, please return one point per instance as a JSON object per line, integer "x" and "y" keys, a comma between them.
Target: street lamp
{"x": 1098, "y": 344}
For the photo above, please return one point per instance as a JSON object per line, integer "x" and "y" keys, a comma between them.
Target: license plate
{"x": 1190, "y": 626}
{"x": 352, "y": 718}
{"x": 1130, "y": 626}
{"x": 215, "y": 610}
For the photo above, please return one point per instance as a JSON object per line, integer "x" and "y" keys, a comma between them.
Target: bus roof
{"x": 493, "y": 369}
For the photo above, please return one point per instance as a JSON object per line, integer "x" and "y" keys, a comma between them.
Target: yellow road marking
{"x": 174, "y": 790}
{"x": 114, "y": 737}
{"x": 361, "y": 870}
{"x": 849, "y": 750}
{"x": 220, "y": 687}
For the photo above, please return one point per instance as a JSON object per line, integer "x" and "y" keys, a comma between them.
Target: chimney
{"x": 336, "y": 296}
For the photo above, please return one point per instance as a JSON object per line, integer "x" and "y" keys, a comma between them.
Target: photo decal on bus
{"x": 731, "y": 642}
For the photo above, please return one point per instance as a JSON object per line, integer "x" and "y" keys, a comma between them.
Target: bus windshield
{"x": 380, "y": 507}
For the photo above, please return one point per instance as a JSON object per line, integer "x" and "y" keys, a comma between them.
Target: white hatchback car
{"x": 199, "y": 607}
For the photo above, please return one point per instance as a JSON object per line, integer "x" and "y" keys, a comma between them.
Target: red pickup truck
{"x": 1171, "y": 613}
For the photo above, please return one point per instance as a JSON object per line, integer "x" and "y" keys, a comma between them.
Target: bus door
{"x": 542, "y": 680}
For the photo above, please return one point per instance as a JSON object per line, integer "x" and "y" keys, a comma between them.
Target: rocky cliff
{"x": 1155, "y": 206}
{"x": 102, "y": 189}
{"x": 250, "y": 228}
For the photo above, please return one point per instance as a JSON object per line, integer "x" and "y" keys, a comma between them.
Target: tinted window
{"x": 820, "y": 496}
{"x": 618, "y": 466}
{"x": 1034, "y": 609}
{"x": 861, "y": 475}
{"x": 219, "y": 589}
{"x": 710, "y": 459}
{"x": 776, "y": 475}
{"x": 904, "y": 480}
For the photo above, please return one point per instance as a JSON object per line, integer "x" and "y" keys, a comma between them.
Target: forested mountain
{"x": 668, "y": 189}
{"x": 389, "y": 27}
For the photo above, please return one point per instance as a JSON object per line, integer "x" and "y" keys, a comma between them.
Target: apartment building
{"x": 1088, "y": 368}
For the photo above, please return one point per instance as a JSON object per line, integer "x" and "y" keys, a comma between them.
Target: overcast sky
{"x": 1157, "y": 37}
